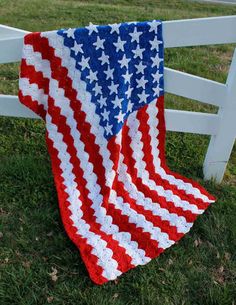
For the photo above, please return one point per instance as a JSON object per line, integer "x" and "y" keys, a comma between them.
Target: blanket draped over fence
{"x": 100, "y": 90}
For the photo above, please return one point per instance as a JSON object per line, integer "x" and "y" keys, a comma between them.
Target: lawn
{"x": 38, "y": 262}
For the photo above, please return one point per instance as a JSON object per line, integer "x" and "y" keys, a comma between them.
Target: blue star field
{"x": 122, "y": 66}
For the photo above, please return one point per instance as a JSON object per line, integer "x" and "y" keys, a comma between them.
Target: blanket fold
{"x": 100, "y": 90}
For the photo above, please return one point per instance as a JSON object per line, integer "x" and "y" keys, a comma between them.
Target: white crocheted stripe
{"x": 140, "y": 165}
{"x": 35, "y": 59}
{"x": 153, "y": 122}
{"x": 179, "y": 222}
{"x": 33, "y": 91}
{"x": 140, "y": 221}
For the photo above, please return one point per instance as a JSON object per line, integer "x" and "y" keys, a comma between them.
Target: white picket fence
{"x": 178, "y": 33}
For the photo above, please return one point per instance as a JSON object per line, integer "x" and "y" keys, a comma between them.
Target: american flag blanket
{"x": 100, "y": 91}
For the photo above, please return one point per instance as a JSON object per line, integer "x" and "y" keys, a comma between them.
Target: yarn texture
{"x": 100, "y": 91}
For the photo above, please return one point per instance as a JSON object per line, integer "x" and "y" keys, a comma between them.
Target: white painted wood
{"x": 220, "y": 2}
{"x": 201, "y": 31}
{"x": 194, "y": 87}
{"x": 176, "y": 82}
{"x": 10, "y": 106}
{"x": 10, "y": 49}
{"x": 11, "y": 43}
{"x": 176, "y": 120}
{"x": 176, "y": 33}
{"x": 8, "y": 32}
{"x": 221, "y": 144}
{"x": 193, "y": 122}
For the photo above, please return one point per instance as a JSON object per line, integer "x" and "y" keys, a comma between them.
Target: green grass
{"x": 200, "y": 270}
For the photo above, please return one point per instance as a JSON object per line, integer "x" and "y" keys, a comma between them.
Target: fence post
{"x": 221, "y": 144}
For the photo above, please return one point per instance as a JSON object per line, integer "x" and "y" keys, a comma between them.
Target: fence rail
{"x": 178, "y": 33}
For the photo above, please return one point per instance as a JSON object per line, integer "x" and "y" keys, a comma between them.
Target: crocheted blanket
{"x": 100, "y": 91}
